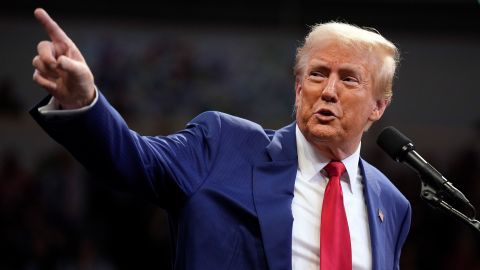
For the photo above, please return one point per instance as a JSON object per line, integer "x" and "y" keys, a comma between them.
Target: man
{"x": 239, "y": 196}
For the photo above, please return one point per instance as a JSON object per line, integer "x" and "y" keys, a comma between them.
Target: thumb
{"x": 69, "y": 65}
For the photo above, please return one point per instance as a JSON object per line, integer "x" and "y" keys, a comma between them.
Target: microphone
{"x": 401, "y": 149}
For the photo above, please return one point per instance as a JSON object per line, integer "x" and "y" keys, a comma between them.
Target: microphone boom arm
{"x": 429, "y": 194}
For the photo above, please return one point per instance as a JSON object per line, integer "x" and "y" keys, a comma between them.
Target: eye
{"x": 351, "y": 80}
{"x": 317, "y": 75}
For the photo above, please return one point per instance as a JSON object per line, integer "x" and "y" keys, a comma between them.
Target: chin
{"x": 320, "y": 132}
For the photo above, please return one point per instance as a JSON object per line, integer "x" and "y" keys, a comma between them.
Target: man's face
{"x": 335, "y": 98}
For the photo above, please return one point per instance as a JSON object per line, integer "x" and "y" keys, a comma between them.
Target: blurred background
{"x": 161, "y": 64}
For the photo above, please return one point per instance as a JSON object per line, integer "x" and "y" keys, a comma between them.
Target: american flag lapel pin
{"x": 380, "y": 214}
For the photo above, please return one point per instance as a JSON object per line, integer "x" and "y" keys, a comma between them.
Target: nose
{"x": 329, "y": 93}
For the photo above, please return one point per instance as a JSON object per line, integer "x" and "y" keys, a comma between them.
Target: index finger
{"x": 53, "y": 30}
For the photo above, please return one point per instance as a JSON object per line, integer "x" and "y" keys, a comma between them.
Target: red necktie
{"x": 335, "y": 247}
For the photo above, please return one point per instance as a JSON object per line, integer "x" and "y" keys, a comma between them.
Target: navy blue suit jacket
{"x": 226, "y": 183}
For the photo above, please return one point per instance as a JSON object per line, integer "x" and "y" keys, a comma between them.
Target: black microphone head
{"x": 394, "y": 143}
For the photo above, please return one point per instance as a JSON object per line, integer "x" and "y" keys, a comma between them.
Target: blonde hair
{"x": 364, "y": 39}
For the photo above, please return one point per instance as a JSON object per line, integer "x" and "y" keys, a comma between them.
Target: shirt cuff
{"x": 53, "y": 108}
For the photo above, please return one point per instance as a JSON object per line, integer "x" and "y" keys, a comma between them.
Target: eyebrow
{"x": 345, "y": 66}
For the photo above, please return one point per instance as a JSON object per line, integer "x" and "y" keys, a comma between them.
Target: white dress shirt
{"x": 53, "y": 108}
{"x": 307, "y": 202}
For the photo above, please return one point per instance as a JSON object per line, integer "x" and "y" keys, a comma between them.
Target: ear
{"x": 378, "y": 109}
{"x": 298, "y": 89}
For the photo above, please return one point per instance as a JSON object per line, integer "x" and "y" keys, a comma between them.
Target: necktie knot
{"x": 335, "y": 168}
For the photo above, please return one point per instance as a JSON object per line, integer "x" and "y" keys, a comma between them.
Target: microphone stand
{"x": 434, "y": 198}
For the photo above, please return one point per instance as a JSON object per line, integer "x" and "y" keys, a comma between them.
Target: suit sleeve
{"x": 165, "y": 169}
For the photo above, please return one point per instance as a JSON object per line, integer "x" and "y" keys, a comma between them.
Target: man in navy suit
{"x": 240, "y": 196}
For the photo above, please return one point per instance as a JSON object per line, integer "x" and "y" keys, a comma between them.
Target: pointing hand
{"x": 60, "y": 67}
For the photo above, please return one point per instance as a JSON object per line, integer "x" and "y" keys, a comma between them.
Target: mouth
{"x": 325, "y": 115}
{"x": 325, "y": 112}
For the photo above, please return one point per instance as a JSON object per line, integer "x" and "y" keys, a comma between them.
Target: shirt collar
{"x": 311, "y": 161}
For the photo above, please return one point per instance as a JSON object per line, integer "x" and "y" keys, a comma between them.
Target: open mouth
{"x": 325, "y": 116}
{"x": 325, "y": 112}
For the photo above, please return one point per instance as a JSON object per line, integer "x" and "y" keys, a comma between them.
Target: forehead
{"x": 336, "y": 55}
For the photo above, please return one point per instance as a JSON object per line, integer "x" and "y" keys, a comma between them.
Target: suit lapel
{"x": 375, "y": 215}
{"x": 273, "y": 185}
